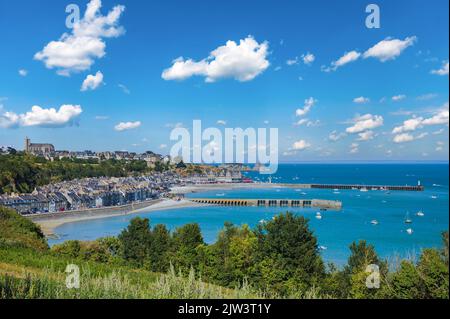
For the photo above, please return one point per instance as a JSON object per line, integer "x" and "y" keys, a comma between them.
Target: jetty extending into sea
{"x": 318, "y": 203}
{"x": 405, "y": 188}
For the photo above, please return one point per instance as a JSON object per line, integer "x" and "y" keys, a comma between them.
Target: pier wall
{"x": 319, "y": 203}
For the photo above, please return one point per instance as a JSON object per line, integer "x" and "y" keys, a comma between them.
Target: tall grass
{"x": 115, "y": 285}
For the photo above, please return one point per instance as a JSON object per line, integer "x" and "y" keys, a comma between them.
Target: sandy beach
{"x": 49, "y": 224}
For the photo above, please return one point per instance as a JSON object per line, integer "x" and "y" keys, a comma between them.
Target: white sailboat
{"x": 409, "y": 231}
{"x": 408, "y": 220}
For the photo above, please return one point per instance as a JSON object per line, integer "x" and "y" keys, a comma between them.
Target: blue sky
{"x": 299, "y": 75}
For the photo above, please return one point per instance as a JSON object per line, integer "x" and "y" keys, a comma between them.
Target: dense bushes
{"x": 279, "y": 258}
{"x": 19, "y": 231}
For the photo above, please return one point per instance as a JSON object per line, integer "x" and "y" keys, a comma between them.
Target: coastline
{"x": 48, "y": 222}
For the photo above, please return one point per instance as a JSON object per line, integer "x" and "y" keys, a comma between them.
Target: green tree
{"x": 434, "y": 274}
{"x": 136, "y": 241}
{"x": 405, "y": 283}
{"x": 287, "y": 251}
{"x": 160, "y": 245}
{"x": 184, "y": 252}
{"x": 362, "y": 255}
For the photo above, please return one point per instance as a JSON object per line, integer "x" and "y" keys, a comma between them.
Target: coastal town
{"x": 98, "y": 192}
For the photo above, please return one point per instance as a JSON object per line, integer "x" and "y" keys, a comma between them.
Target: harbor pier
{"x": 413, "y": 188}
{"x": 305, "y": 203}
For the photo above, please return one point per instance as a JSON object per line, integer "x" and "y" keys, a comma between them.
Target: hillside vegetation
{"x": 21, "y": 173}
{"x": 278, "y": 259}
{"x": 16, "y": 230}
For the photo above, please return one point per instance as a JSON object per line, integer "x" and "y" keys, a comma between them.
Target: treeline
{"x": 30, "y": 270}
{"x": 21, "y": 173}
{"x": 277, "y": 258}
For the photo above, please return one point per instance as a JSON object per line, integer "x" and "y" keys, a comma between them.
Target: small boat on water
{"x": 374, "y": 222}
{"x": 337, "y": 193}
{"x": 409, "y": 231}
{"x": 323, "y": 247}
{"x": 318, "y": 215}
{"x": 420, "y": 214}
{"x": 434, "y": 197}
{"x": 364, "y": 190}
{"x": 408, "y": 220}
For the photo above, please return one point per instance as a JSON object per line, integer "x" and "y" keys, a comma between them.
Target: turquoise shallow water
{"x": 338, "y": 229}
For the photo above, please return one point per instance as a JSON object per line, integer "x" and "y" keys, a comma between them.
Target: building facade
{"x": 38, "y": 149}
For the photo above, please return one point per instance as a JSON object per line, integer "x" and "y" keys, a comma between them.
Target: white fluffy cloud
{"x": 308, "y": 105}
{"x": 385, "y": 50}
{"x": 348, "y": 57}
{"x": 354, "y": 148}
{"x": 397, "y": 98}
{"x": 408, "y": 137}
{"x": 9, "y": 119}
{"x": 39, "y": 116}
{"x": 403, "y": 138}
{"x": 125, "y": 126}
{"x": 389, "y": 49}
{"x": 308, "y": 58}
{"x": 366, "y": 136}
{"x": 307, "y": 122}
{"x": 77, "y": 51}
{"x": 365, "y": 123}
{"x": 440, "y": 117}
{"x": 361, "y": 100}
{"x": 23, "y": 72}
{"x": 409, "y": 125}
{"x": 92, "y": 81}
{"x": 335, "y": 136}
{"x": 442, "y": 71}
{"x": 242, "y": 62}
{"x": 300, "y": 145}
{"x": 293, "y": 61}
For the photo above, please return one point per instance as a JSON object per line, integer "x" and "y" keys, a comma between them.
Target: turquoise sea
{"x": 337, "y": 229}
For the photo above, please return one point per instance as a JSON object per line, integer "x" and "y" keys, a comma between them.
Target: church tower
{"x": 27, "y": 145}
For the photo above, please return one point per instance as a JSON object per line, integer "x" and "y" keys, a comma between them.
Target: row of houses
{"x": 216, "y": 176}
{"x": 90, "y": 193}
